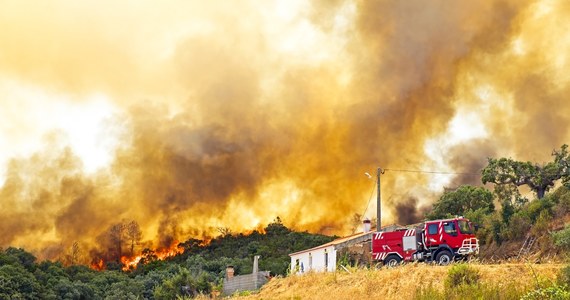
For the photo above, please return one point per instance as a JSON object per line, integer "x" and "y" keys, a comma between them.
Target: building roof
{"x": 349, "y": 238}
{"x": 335, "y": 242}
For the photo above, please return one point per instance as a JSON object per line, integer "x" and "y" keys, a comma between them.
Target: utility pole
{"x": 378, "y": 207}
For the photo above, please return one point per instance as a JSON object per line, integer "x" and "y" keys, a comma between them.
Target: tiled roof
{"x": 332, "y": 243}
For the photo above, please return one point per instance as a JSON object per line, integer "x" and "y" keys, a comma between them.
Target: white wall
{"x": 317, "y": 263}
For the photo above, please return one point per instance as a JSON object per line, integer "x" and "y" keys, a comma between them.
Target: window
{"x": 326, "y": 260}
{"x": 310, "y": 261}
{"x": 465, "y": 227}
{"x": 432, "y": 229}
{"x": 449, "y": 227}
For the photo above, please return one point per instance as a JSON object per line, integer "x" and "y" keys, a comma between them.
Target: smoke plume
{"x": 226, "y": 115}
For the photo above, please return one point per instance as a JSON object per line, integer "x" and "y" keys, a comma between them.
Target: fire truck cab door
{"x": 432, "y": 236}
{"x": 451, "y": 234}
{"x": 444, "y": 232}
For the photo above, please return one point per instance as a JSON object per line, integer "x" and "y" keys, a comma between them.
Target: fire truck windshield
{"x": 465, "y": 227}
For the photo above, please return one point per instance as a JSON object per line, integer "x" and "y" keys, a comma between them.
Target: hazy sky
{"x": 187, "y": 116}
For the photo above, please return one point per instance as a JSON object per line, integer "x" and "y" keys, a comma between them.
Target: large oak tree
{"x": 538, "y": 177}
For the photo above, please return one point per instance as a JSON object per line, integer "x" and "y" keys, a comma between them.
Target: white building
{"x": 324, "y": 257}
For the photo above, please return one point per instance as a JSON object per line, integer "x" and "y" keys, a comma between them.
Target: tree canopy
{"x": 198, "y": 270}
{"x": 462, "y": 201}
{"x": 539, "y": 178}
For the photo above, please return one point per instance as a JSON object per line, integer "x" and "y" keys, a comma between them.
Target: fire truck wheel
{"x": 444, "y": 257}
{"x": 392, "y": 260}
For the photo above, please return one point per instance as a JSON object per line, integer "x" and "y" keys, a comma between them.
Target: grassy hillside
{"x": 411, "y": 281}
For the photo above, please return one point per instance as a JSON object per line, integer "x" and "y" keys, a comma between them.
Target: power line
{"x": 413, "y": 171}
{"x": 432, "y": 172}
{"x": 369, "y": 199}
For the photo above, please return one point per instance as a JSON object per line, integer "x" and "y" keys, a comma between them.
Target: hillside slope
{"x": 399, "y": 283}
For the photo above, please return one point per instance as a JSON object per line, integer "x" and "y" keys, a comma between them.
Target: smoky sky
{"x": 228, "y": 115}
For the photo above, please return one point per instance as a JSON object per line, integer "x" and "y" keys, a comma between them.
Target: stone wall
{"x": 247, "y": 282}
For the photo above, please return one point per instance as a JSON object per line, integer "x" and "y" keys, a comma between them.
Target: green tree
{"x": 511, "y": 200}
{"x": 19, "y": 255}
{"x": 462, "y": 201}
{"x": 65, "y": 289}
{"x": 150, "y": 281}
{"x": 17, "y": 283}
{"x": 180, "y": 285}
{"x": 539, "y": 178}
{"x": 125, "y": 290}
{"x": 276, "y": 228}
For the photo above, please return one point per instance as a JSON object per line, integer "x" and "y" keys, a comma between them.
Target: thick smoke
{"x": 468, "y": 160}
{"x": 407, "y": 212}
{"x": 233, "y": 119}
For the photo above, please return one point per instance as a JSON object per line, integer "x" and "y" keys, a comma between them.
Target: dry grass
{"x": 400, "y": 283}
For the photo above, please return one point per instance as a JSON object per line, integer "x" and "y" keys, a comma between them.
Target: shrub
{"x": 491, "y": 229}
{"x": 542, "y": 223}
{"x": 554, "y": 292}
{"x": 564, "y": 276}
{"x": 536, "y": 207}
{"x": 477, "y": 216}
{"x": 480, "y": 291}
{"x": 562, "y": 238}
{"x": 462, "y": 274}
{"x": 507, "y": 210}
{"x": 497, "y": 230}
{"x": 428, "y": 293}
{"x": 562, "y": 199}
{"x": 518, "y": 226}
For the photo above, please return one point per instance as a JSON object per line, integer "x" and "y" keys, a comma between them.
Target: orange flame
{"x": 97, "y": 264}
{"x": 173, "y": 250}
{"x": 130, "y": 263}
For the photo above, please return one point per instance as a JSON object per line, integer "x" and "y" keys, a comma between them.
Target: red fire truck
{"x": 440, "y": 241}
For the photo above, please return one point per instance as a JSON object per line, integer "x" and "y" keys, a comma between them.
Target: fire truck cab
{"x": 440, "y": 241}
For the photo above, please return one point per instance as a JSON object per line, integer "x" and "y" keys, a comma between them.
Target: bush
{"x": 562, "y": 199}
{"x": 562, "y": 238}
{"x": 428, "y": 293}
{"x": 554, "y": 292}
{"x": 490, "y": 229}
{"x": 542, "y": 223}
{"x": 480, "y": 291}
{"x": 536, "y": 207}
{"x": 477, "y": 216}
{"x": 564, "y": 276}
{"x": 462, "y": 274}
{"x": 518, "y": 226}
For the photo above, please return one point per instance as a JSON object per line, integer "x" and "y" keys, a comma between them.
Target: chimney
{"x": 366, "y": 225}
{"x": 230, "y": 272}
{"x": 256, "y": 264}
{"x": 256, "y": 271}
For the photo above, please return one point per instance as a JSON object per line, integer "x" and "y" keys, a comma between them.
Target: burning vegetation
{"x": 123, "y": 246}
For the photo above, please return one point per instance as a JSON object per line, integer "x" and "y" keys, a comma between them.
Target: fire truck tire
{"x": 444, "y": 257}
{"x": 392, "y": 260}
